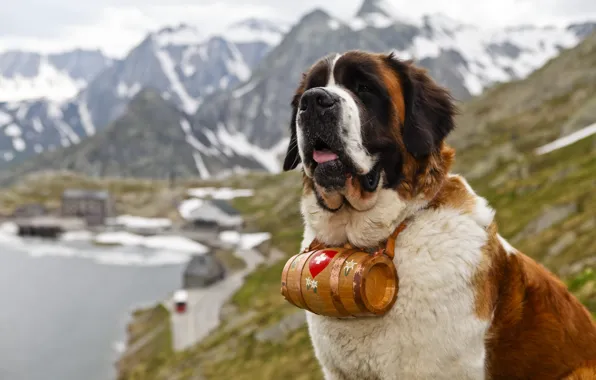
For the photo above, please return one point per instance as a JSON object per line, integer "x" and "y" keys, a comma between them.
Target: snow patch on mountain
{"x": 491, "y": 55}
{"x": 189, "y": 104}
{"x": 57, "y": 77}
{"x": 182, "y": 35}
{"x": 379, "y": 14}
{"x": 4, "y": 118}
{"x": 238, "y": 142}
{"x": 256, "y": 30}
{"x": 86, "y": 120}
{"x": 48, "y": 83}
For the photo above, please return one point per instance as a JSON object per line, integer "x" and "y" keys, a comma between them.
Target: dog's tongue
{"x": 321, "y": 156}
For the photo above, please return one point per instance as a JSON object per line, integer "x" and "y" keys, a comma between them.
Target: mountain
{"x": 464, "y": 58}
{"x": 152, "y": 139}
{"x": 236, "y": 86}
{"x": 27, "y": 76}
{"x": 180, "y": 63}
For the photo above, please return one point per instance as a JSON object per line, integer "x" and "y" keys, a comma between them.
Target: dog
{"x": 368, "y": 134}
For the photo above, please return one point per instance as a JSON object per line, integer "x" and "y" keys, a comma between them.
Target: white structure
{"x": 215, "y": 213}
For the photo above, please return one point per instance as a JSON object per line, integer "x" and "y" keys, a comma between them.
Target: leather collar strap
{"x": 388, "y": 248}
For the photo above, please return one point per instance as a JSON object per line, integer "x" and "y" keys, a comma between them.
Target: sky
{"x": 115, "y": 26}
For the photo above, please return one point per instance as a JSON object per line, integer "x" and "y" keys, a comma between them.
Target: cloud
{"x": 115, "y": 26}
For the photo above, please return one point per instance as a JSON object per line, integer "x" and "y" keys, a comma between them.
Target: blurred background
{"x": 144, "y": 220}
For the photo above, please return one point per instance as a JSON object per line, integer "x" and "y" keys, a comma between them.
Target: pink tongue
{"x": 321, "y": 156}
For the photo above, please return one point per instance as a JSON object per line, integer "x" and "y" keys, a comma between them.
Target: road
{"x": 204, "y": 304}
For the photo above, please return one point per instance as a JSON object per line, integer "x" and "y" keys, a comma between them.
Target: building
{"x": 202, "y": 270}
{"x": 30, "y": 210}
{"x": 94, "y": 206}
{"x": 215, "y": 214}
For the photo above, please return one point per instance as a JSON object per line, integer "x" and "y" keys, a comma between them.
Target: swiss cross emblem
{"x": 319, "y": 261}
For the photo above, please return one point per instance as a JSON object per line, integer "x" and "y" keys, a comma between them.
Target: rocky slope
{"x": 152, "y": 139}
{"x": 545, "y": 204}
{"x": 180, "y": 63}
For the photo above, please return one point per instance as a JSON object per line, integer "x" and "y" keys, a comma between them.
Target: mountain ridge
{"x": 238, "y": 92}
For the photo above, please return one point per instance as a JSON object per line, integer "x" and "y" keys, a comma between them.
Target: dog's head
{"x": 363, "y": 123}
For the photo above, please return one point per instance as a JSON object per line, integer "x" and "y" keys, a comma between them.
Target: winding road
{"x": 204, "y": 304}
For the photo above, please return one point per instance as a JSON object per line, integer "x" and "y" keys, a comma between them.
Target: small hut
{"x": 217, "y": 215}
{"x": 203, "y": 270}
{"x": 94, "y": 206}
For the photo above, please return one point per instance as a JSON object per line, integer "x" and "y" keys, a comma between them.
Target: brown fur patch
{"x": 539, "y": 329}
{"x": 332, "y": 198}
{"x": 425, "y": 178}
{"x": 394, "y": 88}
{"x": 454, "y": 194}
{"x": 486, "y": 279}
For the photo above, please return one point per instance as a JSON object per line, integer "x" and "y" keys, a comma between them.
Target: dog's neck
{"x": 366, "y": 230}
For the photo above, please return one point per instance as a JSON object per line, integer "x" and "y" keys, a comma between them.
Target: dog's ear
{"x": 429, "y": 109}
{"x": 292, "y": 154}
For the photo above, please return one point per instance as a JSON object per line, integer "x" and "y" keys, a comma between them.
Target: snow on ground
{"x": 567, "y": 140}
{"x": 244, "y": 241}
{"x": 226, "y": 193}
{"x": 156, "y": 251}
{"x": 9, "y": 228}
{"x": 82, "y": 235}
{"x": 187, "y": 207}
{"x": 174, "y": 243}
{"x": 138, "y": 222}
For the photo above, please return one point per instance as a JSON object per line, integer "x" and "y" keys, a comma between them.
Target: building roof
{"x": 81, "y": 193}
{"x": 224, "y": 206}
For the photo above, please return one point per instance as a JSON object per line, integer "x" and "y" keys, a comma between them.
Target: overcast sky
{"x": 116, "y": 25}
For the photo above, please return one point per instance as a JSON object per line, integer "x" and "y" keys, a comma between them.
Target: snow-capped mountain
{"x": 234, "y": 88}
{"x": 179, "y": 63}
{"x": 27, "y": 76}
{"x": 465, "y": 58}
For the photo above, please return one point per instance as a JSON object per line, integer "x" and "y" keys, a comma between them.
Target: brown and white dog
{"x": 368, "y": 130}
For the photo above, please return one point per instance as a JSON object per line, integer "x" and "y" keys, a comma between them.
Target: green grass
{"x": 150, "y": 330}
{"x": 230, "y": 260}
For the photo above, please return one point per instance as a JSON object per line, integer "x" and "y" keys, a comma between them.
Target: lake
{"x": 65, "y": 305}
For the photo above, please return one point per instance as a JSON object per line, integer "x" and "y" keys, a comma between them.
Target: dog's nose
{"x": 317, "y": 99}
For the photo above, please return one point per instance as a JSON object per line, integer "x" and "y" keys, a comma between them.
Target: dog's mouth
{"x": 337, "y": 181}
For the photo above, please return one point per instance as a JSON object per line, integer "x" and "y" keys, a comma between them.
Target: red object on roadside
{"x": 181, "y": 307}
{"x": 181, "y": 301}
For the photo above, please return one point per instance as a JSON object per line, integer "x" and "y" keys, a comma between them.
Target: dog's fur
{"x": 470, "y": 306}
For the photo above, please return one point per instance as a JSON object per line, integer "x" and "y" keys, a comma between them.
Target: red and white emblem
{"x": 320, "y": 260}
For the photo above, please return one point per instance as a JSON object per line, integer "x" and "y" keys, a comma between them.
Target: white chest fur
{"x": 432, "y": 331}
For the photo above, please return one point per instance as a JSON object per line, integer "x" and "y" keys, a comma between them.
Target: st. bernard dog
{"x": 368, "y": 132}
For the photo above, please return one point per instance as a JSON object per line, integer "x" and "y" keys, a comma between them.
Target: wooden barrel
{"x": 340, "y": 282}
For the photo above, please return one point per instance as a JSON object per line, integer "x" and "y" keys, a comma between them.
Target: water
{"x": 65, "y": 306}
